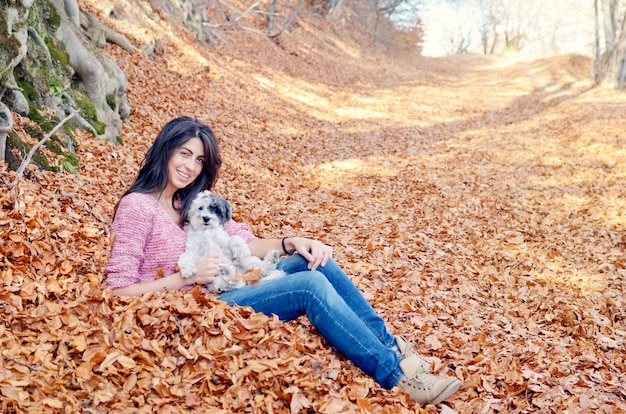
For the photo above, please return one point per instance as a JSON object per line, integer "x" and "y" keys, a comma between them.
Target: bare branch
{"x": 249, "y": 9}
{"x": 26, "y": 161}
{"x": 203, "y": 28}
{"x": 17, "y": 361}
{"x": 288, "y": 23}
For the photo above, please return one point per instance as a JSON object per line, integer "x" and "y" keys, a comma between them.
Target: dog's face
{"x": 208, "y": 211}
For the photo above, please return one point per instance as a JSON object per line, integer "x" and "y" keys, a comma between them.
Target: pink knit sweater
{"x": 147, "y": 241}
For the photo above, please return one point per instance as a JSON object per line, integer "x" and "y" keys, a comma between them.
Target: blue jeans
{"x": 334, "y": 306}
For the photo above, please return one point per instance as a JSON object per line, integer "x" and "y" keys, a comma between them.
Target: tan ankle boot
{"x": 422, "y": 387}
{"x": 407, "y": 351}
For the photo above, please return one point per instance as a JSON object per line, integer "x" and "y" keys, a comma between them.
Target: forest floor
{"x": 478, "y": 203}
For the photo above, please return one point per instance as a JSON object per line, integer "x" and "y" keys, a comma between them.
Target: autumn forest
{"x": 478, "y": 202}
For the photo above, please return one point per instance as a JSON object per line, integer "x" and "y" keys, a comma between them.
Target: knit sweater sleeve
{"x": 146, "y": 242}
{"x": 130, "y": 230}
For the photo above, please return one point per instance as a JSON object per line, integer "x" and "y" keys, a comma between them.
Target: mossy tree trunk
{"x": 48, "y": 65}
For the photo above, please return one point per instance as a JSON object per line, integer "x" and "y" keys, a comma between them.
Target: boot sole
{"x": 446, "y": 392}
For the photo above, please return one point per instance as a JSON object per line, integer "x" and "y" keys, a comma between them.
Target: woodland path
{"x": 478, "y": 203}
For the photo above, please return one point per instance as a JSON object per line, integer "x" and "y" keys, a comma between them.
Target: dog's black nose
{"x": 206, "y": 219}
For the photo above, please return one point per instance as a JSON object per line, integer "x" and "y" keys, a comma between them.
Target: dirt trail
{"x": 477, "y": 202}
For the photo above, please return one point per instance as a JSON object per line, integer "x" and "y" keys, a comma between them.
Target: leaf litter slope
{"x": 477, "y": 203}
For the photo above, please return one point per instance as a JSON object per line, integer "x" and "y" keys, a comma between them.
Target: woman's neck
{"x": 165, "y": 200}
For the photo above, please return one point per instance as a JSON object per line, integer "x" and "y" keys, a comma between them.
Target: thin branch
{"x": 249, "y": 9}
{"x": 17, "y": 361}
{"x": 288, "y": 23}
{"x": 206, "y": 28}
{"x": 26, "y": 161}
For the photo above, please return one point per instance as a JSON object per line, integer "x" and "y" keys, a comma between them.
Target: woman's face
{"x": 185, "y": 164}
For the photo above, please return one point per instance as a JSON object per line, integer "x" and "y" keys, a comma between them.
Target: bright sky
{"x": 566, "y": 26}
{"x": 439, "y": 21}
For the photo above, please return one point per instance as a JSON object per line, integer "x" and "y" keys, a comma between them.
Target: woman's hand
{"x": 207, "y": 269}
{"x": 314, "y": 251}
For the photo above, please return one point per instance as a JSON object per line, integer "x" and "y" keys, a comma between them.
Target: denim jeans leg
{"x": 348, "y": 291}
{"x": 311, "y": 294}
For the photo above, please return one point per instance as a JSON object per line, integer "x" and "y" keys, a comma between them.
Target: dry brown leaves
{"x": 477, "y": 203}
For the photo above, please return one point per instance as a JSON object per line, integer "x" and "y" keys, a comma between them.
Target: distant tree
{"x": 210, "y": 20}
{"x": 610, "y": 55}
{"x": 403, "y": 14}
{"x": 489, "y": 22}
{"x": 461, "y": 30}
{"x": 384, "y": 9}
{"x": 503, "y": 25}
{"x": 287, "y": 19}
{"x": 517, "y": 26}
{"x": 535, "y": 27}
{"x": 333, "y": 7}
{"x": 469, "y": 20}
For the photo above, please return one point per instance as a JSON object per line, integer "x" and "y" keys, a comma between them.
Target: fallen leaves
{"x": 478, "y": 211}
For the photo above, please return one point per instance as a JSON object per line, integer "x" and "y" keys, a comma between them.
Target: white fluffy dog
{"x": 206, "y": 235}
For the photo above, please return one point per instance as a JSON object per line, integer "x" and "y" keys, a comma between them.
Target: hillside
{"x": 477, "y": 202}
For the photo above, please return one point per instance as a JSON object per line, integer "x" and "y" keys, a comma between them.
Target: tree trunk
{"x": 6, "y": 124}
{"x": 596, "y": 61}
{"x": 53, "y": 37}
{"x": 609, "y": 62}
{"x": 271, "y": 9}
{"x": 333, "y": 7}
{"x": 622, "y": 74}
{"x": 101, "y": 79}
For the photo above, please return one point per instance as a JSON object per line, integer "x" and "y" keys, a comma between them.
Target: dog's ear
{"x": 226, "y": 212}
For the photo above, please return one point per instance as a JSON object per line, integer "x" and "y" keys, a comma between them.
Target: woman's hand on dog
{"x": 206, "y": 270}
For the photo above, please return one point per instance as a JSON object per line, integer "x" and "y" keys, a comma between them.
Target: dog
{"x": 206, "y": 235}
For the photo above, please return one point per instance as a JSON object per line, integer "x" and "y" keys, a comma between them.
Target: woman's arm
{"x": 260, "y": 247}
{"x": 314, "y": 251}
{"x": 207, "y": 271}
{"x": 173, "y": 282}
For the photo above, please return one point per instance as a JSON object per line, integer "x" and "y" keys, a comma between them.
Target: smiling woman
{"x": 189, "y": 152}
{"x": 182, "y": 169}
{"x": 151, "y": 226}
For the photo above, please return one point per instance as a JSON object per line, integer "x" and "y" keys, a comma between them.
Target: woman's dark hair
{"x": 152, "y": 176}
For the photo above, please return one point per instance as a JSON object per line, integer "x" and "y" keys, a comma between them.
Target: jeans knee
{"x": 317, "y": 285}
{"x": 316, "y": 280}
{"x": 296, "y": 263}
{"x": 293, "y": 264}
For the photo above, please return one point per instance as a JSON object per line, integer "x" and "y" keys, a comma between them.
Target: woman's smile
{"x": 185, "y": 165}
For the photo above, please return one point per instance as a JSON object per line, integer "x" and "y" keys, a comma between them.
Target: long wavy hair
{"x": 152, "y": 176}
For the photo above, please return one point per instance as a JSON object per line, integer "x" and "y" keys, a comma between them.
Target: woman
{"x": 150, "y": 236}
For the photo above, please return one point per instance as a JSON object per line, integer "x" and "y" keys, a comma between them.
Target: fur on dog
{"x": 206, "y": 235}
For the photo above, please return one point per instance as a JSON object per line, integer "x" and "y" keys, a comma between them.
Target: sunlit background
{"x": 528, "y": 28}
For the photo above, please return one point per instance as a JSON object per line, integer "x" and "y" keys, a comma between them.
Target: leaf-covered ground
{"x": 478, "y": 203}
